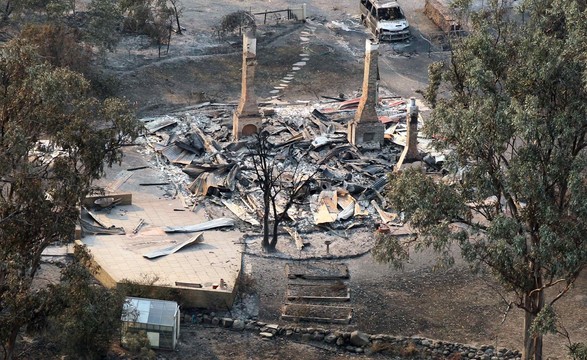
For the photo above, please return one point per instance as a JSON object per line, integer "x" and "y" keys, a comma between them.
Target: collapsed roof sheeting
{"x": 212, "y": 224}
{"x": 174, "y": 248}
{"x": 305, "y": 140}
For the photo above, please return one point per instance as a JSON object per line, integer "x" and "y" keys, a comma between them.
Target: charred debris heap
{"x": 340, "y": 150}
{"x": 348, "y": 181}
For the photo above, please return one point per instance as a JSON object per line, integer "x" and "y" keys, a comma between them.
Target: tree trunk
{"x": 532, "y": 343}
{"x": 177, "y": 21}
{"x": 168, "y": 39}
{"x": 266, "y": 210}
{"x": 273, "y": 242}
{"x": 11, "y": 343}
{"x": 7, "y": 11}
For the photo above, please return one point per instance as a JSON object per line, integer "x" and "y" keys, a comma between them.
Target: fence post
{"x": 304, "y": 12}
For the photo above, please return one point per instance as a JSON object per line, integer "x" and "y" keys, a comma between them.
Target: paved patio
{"x": 195, "y": 268}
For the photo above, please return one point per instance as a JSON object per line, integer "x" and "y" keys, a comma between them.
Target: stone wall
{"x": 358, "y": 342}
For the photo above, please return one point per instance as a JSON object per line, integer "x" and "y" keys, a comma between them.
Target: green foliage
{"x": 153, "y": 18}
{"x": 578, "y": 351}
{"x": 238, "y": 20}
{"x": 59, "y": 45}
{"x": 105, "y": 22}
{"x": 143, "y": 16}
{"x": 545, "y": 321}
{"x": 87, "y": 315}
{"x": 148, "y": 287}
{"x": 515, "y": 200}
{"x": 138, "y": 344}
{"x": 44, "y": 10}
{"x": 54, "y": 141}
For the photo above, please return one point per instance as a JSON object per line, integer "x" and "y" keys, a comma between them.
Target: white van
{"x": 385, "y": 20}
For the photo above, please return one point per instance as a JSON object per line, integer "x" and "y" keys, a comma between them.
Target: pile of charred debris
{"x": 196, "y": 150}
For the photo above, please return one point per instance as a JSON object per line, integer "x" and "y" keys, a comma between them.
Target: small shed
{"x": 158, "y": 318}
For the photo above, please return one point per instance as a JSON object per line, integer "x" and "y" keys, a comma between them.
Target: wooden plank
{"x": 317, "y": 271}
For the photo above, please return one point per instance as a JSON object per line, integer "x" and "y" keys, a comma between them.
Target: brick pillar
{"x": 247, "y": 119}
{"x": 410, "y": 153}
{"x": 366, "y": 130}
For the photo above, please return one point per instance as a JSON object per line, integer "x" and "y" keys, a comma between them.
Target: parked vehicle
{"x": 385, "y": 20}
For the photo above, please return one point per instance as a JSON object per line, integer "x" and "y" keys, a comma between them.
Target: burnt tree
{"x": 278, "y": 183}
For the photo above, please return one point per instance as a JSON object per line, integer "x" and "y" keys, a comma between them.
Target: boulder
{"x": 359, "y": 338}
{"x": 266, "y": 335}
{"x": 238, "y": 325}
{"x": 227, "y": 322}
{"x": 330, "y": 338}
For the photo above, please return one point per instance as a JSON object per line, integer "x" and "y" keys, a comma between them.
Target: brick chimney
{"x": 410, "y": 153}
{"x": 247, "y": 119}
{"x": 366, "y": 130}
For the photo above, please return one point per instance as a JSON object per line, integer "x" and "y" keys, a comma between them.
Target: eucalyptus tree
{"x": 511, "y": 108}
{"x": 55, "y": 140}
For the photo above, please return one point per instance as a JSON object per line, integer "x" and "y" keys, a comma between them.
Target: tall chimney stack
{"x": 366, "y": 130}
{"x": 247, "y": 119}
{"x": 410, "y": 153}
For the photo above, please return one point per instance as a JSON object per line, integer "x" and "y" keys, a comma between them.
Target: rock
{"x": 317, "y": 336}
{"x": 215, "y": 321}
{"x": 238, "y": 325}
{"x": 359, "y": 339}
{"x": 359, "y": 350}
{"x": 330, "y": 338}
{"x": 227, "y": 322}
{"x": 340, "y": 341}
{"x": 426, "y": 342}
{"x": 272, "y": 327}
{"x": 306, "y": 337}
{"x": 266, "y": 335}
